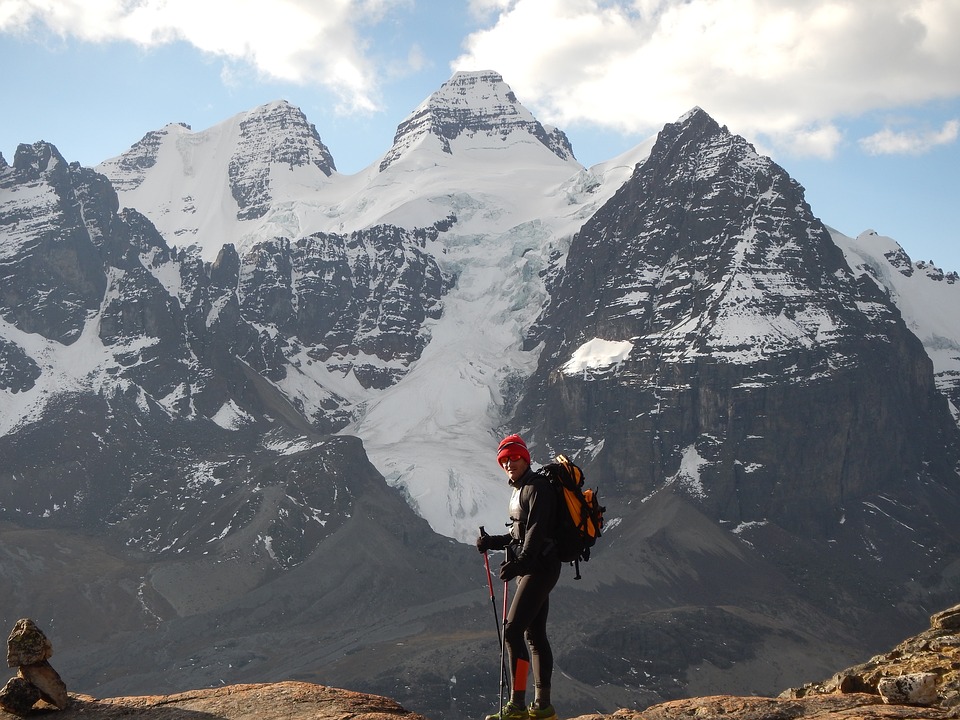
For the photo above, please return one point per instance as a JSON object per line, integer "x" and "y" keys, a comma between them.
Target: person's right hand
{"x": 483, "y": 543}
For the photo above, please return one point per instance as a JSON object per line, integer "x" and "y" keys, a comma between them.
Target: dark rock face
{"x": 473, "y": 103}
{"x": 51, "y": 274}
{"x": 18, "y": 371}
{"x": 369, "y": 293}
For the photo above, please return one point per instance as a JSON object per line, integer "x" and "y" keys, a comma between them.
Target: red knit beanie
{"x": 511, "y": 446}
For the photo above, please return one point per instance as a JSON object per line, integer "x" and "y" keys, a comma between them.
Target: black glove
{"x": 492, "y": 542}
{"x": 483, "y": 543}
{"x": 509, "y": 570}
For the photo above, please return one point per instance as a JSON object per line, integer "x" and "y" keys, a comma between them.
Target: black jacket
{"x": 533, "y": 513}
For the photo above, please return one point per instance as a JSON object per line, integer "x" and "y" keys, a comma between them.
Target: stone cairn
{"x": 28, "y": 650}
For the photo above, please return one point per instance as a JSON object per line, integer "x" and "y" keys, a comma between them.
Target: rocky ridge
{"x": 263, "y": 701}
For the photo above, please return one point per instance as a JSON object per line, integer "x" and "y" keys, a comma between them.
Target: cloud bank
{"x": 783, "y": 72}
{"x": 787, "y": 75}
{"x": 314, "y": 42}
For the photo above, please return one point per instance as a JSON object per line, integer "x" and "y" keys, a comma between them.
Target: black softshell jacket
{"x": 533, "y": 510}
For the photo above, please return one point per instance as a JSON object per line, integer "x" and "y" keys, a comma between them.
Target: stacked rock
{"x": 28, "y": 650}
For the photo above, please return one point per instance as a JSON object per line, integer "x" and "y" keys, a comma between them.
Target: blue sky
{"x": 858, "y": 99}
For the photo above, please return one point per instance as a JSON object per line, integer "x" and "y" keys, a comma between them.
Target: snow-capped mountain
{"x": 187, "y": 378}
{"x": 225, "y": 182}
{"x": 495, "y": 197}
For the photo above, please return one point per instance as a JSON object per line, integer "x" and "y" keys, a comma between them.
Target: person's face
{"x": 514, "y": 466}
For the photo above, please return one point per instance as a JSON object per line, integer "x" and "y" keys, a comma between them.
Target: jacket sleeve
{"x": 541, "y": 517}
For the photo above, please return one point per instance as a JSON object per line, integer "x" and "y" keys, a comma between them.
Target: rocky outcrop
{"x": 856, "y": 706}
{"x": 922, "y": 670}
{"x": 346, "y": 298}
{"x": 18, "y": 371}
{"x": 274, "y": 701}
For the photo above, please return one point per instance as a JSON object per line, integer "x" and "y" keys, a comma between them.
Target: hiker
{"x": 532, "y": 558}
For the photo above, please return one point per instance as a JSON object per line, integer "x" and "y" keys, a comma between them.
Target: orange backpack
{"x": 580, "y": 513}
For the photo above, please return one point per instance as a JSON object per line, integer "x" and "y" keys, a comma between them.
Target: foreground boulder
{"x": 27, "y": 644}
{"x": 28, "y": 650}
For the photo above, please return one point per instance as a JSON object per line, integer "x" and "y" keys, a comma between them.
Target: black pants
{"x": 527, "y": 623}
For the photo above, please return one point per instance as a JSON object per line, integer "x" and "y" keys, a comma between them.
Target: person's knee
{"x": 513, "y": 635}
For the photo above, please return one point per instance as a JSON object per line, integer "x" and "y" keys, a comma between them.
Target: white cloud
{"x": 783, "y": 72}
{"x": 482, "y": 8}
{"x": 820, "y": 141}
{"x": 296, "y": 41}
{"x": 909, "y": 142}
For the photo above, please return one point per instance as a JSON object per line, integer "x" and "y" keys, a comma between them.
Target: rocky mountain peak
{"x": 38, "y": 158}
{"x": 55, "y": 218}
{"x": 709, "y": 268}
{"x": 691, "y": 275}
{"x": 264, "y": 155}
{"x": 473, "y": 105}
{"x": 290, "y": 138}
{"x": 272, "y": 138}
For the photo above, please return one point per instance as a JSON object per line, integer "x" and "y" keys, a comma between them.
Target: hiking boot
{"x": 535, "y": 712}
{"x": 510, "y": 711}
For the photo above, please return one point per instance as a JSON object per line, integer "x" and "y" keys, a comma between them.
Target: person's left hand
{"x": 509, "y": 570}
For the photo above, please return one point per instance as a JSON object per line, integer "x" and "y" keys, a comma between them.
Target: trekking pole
{"x": 493, "y": 600}
{"x": 503, "y": 663}
{"x": 496, "y": 620}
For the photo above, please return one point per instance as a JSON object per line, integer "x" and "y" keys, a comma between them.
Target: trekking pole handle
{"x": 486, "y": 563}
